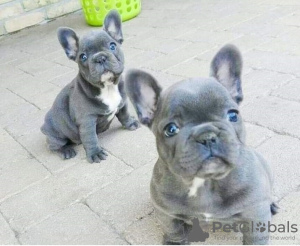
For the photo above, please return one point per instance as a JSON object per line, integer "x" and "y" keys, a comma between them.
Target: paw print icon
{"x": 197, "y": 234}
{"x": 261, "y": 227}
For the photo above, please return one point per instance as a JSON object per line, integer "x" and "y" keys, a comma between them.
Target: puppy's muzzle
{"x": 100, "y": 58}
{"x": 207, "y": 139}
{"x": 206, "y": 135}
{"x": 214, "y": 164}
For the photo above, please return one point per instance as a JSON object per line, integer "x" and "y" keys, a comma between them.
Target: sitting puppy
{"x": 87, "y": 105}
{"x": 204, "y": 168}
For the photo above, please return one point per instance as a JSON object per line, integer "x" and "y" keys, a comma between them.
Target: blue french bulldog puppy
{"x": 87, "y": 105}
{"x": 204, "y": 169}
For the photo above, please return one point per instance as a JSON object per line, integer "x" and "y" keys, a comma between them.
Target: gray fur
{"x": 80, "y": 110}
{"x": 237, "y": 182}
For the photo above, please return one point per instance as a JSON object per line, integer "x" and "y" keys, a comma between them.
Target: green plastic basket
{"x": 96, "y": 10}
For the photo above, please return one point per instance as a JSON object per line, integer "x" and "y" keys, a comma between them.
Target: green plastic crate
{"x": 96, "y": 10}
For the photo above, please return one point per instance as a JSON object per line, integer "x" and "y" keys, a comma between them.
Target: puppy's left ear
{"x": 144, "y": 92}
{"x": 69, "y": 41}
{"x": 113, "y": 25}
{"x": 226, "y": 67}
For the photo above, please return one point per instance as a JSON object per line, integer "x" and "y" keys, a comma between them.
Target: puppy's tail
{"x": 274, "y": 208}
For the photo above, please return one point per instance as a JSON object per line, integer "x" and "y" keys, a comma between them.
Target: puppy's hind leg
{"x": 63, "y": 146}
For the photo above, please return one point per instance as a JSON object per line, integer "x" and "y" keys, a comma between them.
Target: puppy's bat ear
{"x": 143, "y": 91}
{"x": 113, "y": 25}
{"x": 226, "y": 67}
{"x": 69, "y": 41}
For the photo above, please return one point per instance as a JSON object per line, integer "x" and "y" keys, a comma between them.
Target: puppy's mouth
{"x": 107, "y": 77}
{"x": 214, "y": 168}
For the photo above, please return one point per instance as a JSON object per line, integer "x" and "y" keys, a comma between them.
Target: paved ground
{"x": 44, "y": 200}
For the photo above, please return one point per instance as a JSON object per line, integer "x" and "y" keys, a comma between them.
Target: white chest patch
{"x": 197, "y": 182}
{"x": 207, "y": 216}
{"x": 111, "y": 97}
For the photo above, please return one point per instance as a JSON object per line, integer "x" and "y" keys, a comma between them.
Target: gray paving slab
{"x": 7, "y": 236}
{"x": 278, "y": 115}
{"x": 289, "y": 215}
{"x": 125, "y": 202}
{"x": 277, "y": 151}
{"x": 180, "y": 55}
{"x": 145, "y": 230}
{"x": 35, "y": 143}
{"x": 14, "y": 108}
{"x": 285, "y": 43}
{"x": 46, "y": 198}
{"x": 289, "y": 91}
{"x": 191, "y": 68}
{"x": 74, "y": 225}
{"x": 257, "y": 135}
{"x": 134, "y": 148}
{"x": 64, "y": 79}
{"x": 165, "y": 79}
{"x": 261, "y": 83}
{"x": 279, "y": 62}
{"x": 18, "y": 167}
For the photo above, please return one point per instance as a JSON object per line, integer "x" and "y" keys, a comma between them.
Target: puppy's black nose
{"x": 101, "y": 59}
{"x": 206, "y": 134}
{"x": 207, "y": 138}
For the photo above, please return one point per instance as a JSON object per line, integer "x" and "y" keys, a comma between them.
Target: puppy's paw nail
{"x": 67, "y": 152}
{"x": 97, "y": 157}
{"x": 104, "y": 153}
{"x": 102, "y": 157}
{"x": 134, "y": 125}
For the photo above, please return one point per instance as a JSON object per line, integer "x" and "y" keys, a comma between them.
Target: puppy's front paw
{"x": 96, "y": 156}
{"x": 132, "y": 124}
{"x": 168, "y": 241}
{"x": 67, "y": 152}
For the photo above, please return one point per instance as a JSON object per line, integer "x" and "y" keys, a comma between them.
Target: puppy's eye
{"x": 112, "y": 46}
{"x": 171, "y": 130}
{"x": 83, "y": 57}
{"x": 232, "y": 115}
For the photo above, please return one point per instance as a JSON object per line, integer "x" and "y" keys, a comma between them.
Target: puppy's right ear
{"x": 69, "y": 41}
{"x": 226, "y": 67}
{"x": 143, "y": 91}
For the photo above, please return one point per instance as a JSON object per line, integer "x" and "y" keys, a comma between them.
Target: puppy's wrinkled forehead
{"x": 94, "y": 40}
{"x": 197, "y": 98}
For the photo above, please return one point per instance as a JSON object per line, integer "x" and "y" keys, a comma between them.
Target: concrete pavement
{"x": 45, "y": 200}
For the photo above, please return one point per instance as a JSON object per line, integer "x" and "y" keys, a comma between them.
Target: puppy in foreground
{"x": 204, "y": 169}
{"x": 87, "y": 105}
